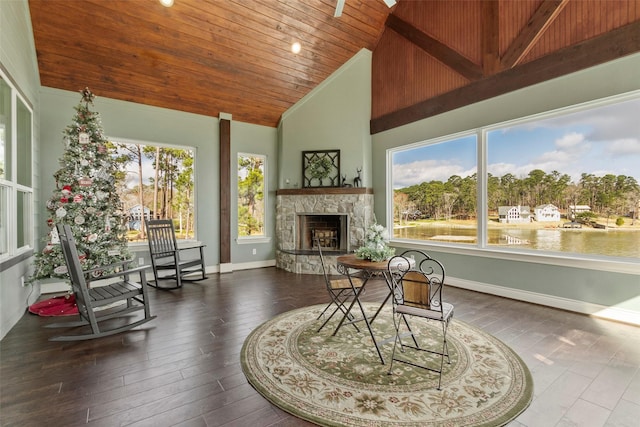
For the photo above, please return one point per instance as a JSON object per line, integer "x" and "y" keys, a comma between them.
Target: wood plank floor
{"x": 183, "y": 368}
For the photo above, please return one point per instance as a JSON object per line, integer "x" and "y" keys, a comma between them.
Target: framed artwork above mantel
{"x": 321, "y": 168}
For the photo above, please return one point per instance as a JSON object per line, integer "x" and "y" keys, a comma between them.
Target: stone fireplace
{"x": 338, "y": 217}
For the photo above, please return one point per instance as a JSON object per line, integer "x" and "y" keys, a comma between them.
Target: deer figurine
{"x": 357, "y": 180}
{"x": 344, "y": 181}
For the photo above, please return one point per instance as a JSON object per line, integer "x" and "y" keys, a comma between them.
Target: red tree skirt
{"x": 57, "y": 306}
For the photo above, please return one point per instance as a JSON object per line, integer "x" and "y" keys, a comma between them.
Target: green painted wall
{"x": 333, "y": 116}
{"x": 252, "y": 139}
{"x": 158, "y": 125}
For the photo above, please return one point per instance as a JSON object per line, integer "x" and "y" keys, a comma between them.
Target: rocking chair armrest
{"x": 140, "y": 269}
{"x": 195, "y": 245}
{"x": 103, "y": 267}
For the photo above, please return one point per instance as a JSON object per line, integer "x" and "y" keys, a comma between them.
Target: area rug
{"x": 340, "y": 381}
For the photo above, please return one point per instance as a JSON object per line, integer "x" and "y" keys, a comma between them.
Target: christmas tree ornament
{"x": 79, "y": 220}
{"x": 91, "y": 238}
{"x": 66, "y": 190}
{"x": 60, "y": 270}
{"x": 83, "y": 138}
{"x": 61, "y": 212}
{"x": 54, "y": 236}
{"x": 77, "y": 198}
{"x": 85, "y": 182}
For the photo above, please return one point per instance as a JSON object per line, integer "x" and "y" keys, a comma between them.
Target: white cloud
{"x": 624, "y": 147}
{"x": 570, "y": 140}
{"x": 426, "y": 170}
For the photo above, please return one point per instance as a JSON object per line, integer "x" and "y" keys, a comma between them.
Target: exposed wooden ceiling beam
{"x": 490, "y": 37}
{"x": 615, "y": 44}
{"x": 433, "y": 47}
{"x": 538, "y": 23}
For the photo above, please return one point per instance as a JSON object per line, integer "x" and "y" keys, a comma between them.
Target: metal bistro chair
{"x": 339, "y": 289}
{"x": 165, "y": 255}
{"x": 417, "y": 292}
{"x": 96, "y": 304}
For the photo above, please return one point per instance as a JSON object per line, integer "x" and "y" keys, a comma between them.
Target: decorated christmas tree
{"x": 85, "y": 197}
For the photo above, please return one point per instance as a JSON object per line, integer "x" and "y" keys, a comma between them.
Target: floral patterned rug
{"x": 340, "y": 381}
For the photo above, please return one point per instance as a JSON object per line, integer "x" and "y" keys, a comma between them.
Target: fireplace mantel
{"x": 322, "y": 190}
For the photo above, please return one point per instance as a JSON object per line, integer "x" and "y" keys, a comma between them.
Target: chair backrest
{"x": 325, "y": 268}
{"x": 74, "y": 268}
{"x": 162, "y": 237}
{"x": 420, "y": 283}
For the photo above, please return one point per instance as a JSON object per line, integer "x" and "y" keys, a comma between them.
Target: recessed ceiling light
{"x": 166, "y": 3}
{"x": 295, "y": 47}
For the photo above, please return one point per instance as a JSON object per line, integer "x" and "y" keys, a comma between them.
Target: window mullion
{"x": 482, "y": 189}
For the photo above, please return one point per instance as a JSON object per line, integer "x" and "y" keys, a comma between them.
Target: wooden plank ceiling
{"x": 201, "y": 56}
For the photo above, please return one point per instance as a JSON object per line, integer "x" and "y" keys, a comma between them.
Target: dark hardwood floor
{"x": 183, "y": 368}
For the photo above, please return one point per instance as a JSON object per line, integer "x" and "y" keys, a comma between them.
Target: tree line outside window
{"x": 156, "y": 182}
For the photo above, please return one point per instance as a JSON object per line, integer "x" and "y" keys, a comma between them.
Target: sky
{"x": 599, "y": 141}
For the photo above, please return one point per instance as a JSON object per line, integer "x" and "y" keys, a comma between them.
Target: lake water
{"x": 598, "y": 242}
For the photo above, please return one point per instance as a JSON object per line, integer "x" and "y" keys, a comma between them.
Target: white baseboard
{"x": 596, "y": 310}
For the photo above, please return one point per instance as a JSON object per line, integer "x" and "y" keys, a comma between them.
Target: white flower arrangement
{"x": 376, "y": 246}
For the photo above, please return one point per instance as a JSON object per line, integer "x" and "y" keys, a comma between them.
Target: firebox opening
{"x": 330, "y": 230}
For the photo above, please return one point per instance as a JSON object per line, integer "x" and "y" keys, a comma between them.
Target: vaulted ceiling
{"x": 201, "y": 56}
{"x": 234, "y": 56}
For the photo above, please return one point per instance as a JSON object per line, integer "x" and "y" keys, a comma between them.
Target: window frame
{"x": 11, "y": 185}
{"x": 626, "y": 265}
{"x": 262, "y": 238}
{"x": 141, "y": 244}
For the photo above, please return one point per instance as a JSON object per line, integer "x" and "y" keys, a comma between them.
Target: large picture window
{"x": 563, "y": 182}
{"x": 157, "y": 183}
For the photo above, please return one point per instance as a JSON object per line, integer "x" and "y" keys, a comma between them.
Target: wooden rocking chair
{"x": 92, "y": 301}
{"x": 165, "y": 255}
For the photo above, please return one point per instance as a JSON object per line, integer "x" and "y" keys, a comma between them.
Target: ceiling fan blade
{"x": 389, "y": 3}
{"x": 339, "y": 6}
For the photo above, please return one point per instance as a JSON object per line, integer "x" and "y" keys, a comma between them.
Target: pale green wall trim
{"x": 615, "y": 286}
{"x": 335, "y": 115}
